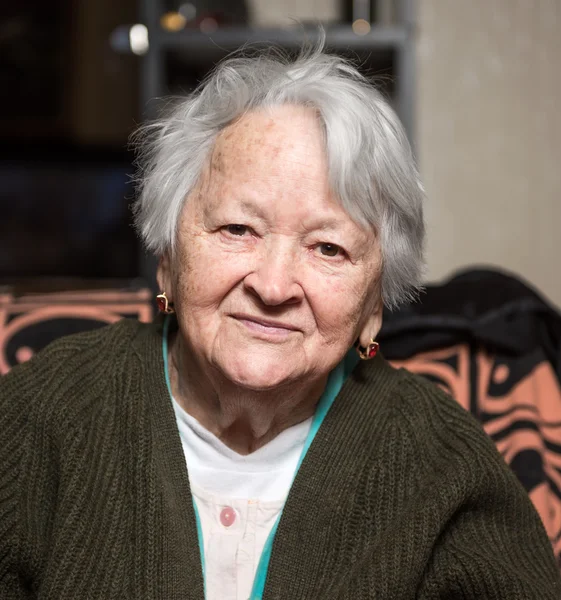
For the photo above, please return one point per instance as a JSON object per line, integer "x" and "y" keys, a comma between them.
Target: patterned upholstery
{"x": 518, "y": 402}
{"x": 29, "y": 322}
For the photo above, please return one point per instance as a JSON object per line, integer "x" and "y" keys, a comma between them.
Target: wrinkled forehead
{"x": 274, "y": 162}
{"x": 265, "y": 138}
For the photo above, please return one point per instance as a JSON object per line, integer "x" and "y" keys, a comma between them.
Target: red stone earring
{"x": 163, "y": 304}
{"x": 369, "y": 352}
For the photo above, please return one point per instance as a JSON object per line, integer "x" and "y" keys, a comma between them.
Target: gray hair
{"x": 371, "y": 166}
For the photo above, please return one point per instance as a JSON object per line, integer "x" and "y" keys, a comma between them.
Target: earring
{"x": 369, "y": 352}
{"x": 163, "y": 304}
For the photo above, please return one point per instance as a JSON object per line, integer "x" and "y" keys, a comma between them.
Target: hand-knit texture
{"x": 400, "y": 496}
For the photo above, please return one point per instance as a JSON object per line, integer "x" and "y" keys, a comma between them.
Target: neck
{"x": 243, "y": 419}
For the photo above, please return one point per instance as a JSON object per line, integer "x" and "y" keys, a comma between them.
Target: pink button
{"x": 227, "y": 516}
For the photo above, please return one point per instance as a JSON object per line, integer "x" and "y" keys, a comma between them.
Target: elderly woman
{"x": 239, "y": 447}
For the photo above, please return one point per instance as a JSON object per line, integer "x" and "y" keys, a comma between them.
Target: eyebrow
{"x": 314, "y": 224}
{"x": 329, "y": 224}
{"x": 250, "y": 208}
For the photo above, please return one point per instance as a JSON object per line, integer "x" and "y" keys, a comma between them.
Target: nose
{"x": 274, "y": 278}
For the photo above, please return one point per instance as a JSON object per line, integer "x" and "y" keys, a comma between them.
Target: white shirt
{"x": 238, "y": 498}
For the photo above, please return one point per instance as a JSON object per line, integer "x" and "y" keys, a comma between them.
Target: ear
{"x": 163, "y": 276}
{"x": 372, "y": 325}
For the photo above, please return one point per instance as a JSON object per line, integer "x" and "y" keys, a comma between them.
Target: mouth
{"x": 265, "y": 326}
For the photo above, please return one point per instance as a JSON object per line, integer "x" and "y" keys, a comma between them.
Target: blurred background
{"x": 477, "y": 85}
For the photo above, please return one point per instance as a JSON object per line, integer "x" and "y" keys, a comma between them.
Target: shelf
{"x": 222, "y": 41}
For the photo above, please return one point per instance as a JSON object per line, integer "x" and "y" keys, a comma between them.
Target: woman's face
{"x": 271, "y": 280}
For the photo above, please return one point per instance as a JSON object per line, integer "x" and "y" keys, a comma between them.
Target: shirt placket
{"x": 221, "y": 555}
{"x": 246, "y": 558}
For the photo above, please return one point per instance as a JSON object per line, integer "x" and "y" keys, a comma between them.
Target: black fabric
{"x": 480, "y": 307}
{"x": 503, "y": 325}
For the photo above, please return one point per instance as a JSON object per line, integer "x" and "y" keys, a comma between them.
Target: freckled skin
{"x": 267, "y": 173}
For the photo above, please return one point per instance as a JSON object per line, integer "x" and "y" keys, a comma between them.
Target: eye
{"x": 238, "y": 230}
{"x": 330, "y": 249}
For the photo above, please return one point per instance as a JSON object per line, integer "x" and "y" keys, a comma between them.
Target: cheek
{"x": 203, "y": 276}
{"x": 337, "y": 303}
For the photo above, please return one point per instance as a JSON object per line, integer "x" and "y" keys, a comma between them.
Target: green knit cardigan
{"x": 401, "y": 494}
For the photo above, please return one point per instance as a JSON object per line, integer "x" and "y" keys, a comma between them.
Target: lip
{"x": 266, "y": 324}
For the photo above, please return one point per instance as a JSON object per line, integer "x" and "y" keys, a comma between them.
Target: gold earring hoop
{"x": 369, "y": 352}
{"x": 163, "y": 303}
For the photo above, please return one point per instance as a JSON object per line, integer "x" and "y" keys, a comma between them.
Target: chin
{"x": 258, "y": 373}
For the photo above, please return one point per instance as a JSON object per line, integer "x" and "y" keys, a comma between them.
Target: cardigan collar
{"x": 326, "y": 475}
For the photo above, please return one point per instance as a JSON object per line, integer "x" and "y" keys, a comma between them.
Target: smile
{"x": 265, "y": 327}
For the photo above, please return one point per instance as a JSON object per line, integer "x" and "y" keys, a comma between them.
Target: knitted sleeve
{"x": 54, "y": 412}
{"x": 493, "y": 544}
{"x": 13, "y": 441}
{"x": 32, "y": 427}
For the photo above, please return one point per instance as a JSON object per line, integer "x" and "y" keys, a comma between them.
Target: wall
{"x": 489, "y": 135}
